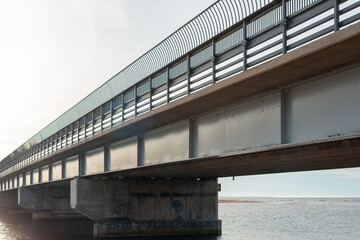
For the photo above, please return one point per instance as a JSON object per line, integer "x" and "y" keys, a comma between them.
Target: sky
{"x": 53, "y": 53}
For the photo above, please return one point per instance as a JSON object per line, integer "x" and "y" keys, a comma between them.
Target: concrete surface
{"x": 47, "y": 203}
{"x": 136, "y": 207}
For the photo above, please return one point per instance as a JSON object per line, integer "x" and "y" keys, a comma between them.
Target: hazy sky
{"x": 55, "y": 52}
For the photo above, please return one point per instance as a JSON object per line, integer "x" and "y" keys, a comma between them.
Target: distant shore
{"x": 238, "y": 201}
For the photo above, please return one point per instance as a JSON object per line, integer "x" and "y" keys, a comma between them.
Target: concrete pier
{"x": 139, "y": 207}
{"x": 47, "y": 203}
{"x": 8, "y": 203}
{"x": 8, "y": 199}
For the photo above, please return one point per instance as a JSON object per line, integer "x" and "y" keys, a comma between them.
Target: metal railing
{"x": 216, "y": 47}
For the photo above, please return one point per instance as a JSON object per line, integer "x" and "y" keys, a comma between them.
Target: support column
{"x": 143, "y": 207}
{"x": 52, "y": 203}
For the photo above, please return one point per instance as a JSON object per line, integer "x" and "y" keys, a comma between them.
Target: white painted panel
{"x": 15, "y": 182}
{"x": 72, "y": 166}
{"x": 56, "y": 171}
{"x": 324, "y": 108}
{"x": 170, "y": 143}
{"x": 36, "y": 176}
{"x": 21, "y": 180}
{"x": 251, "y": 124}
{"x": 95, "y": 161}
{"x": 28, "y": 178}
{"x": 123, "y": 154}
{"x": 45, "y": 174}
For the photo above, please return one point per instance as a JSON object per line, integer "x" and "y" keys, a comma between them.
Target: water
{"x": 290, "y": 219}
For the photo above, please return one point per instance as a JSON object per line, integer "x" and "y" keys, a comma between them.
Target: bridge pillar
{"x": 9, "y": 205}
{"x": 47, "y": 203}
{"x": 142, "y": 207}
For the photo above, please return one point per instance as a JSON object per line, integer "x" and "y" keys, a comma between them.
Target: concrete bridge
{"x": 241, "y": 89}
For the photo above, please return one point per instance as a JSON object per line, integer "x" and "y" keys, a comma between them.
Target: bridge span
{"x": 249, "y": 89}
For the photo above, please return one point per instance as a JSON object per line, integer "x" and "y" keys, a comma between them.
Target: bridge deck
{"x": 328, "y": 54}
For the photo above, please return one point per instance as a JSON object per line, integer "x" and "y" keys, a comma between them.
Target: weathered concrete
{"x": 8, "y": 199}
{"x": 136, "y": 207}
{"x": 47, "y": 203}
{"x": 9, "y": 205}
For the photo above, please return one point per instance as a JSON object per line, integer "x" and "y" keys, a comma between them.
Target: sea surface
{"x": 270, "y": 218}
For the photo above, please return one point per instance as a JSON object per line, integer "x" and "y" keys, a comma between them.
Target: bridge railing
{"x": 275, "y": 29}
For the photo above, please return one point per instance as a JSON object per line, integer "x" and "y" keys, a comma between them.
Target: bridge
{"x": 246, "y": 87}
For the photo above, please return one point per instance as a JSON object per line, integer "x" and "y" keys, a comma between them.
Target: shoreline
{"x": 238, "y": 201}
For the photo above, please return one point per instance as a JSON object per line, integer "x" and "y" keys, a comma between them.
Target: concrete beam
{"x": 47, "y": 203}
{"x": 138, "y": 207}
{"x": 337, "y": 152}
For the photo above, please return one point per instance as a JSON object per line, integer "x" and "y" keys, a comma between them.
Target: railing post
{"x": 244, "y": 46}
{"x": 213, "y": 61}
{"x": 111, "y": 113}
{"x": 84, "y": 127}
{"x": 66, "y": 136}
{"x": 72, "y": 133}
{"x": 78, "y": 131}
{"x": 92, "y": 124}
{"x": 101, "y": 118}
{"x": 284, "y": 26}
{"x": 336, "y": 15}
{"x": 188, "y": 73}
{"x": 35, "y": 153}
{"x": 39, "y": 150}
{"x": 167, "y": 85}
{"x": 122, "y": 108}
{"x": 61, "y": 139}
{"x": 47, "y": 146}
{"x": 150, "y": 94}
{"x": 135, "y": 101}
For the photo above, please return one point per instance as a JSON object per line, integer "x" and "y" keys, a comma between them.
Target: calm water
{"x": 271, "y": 219}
